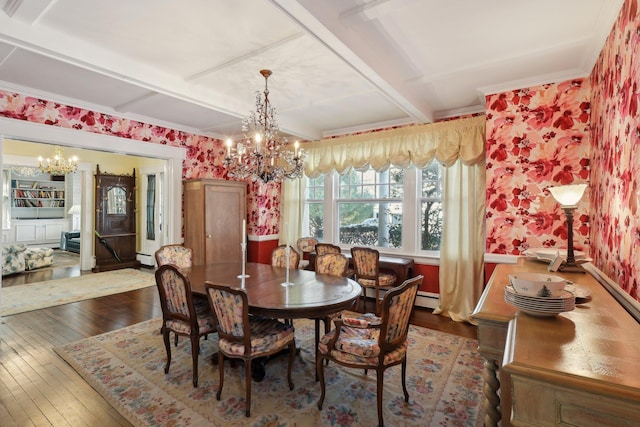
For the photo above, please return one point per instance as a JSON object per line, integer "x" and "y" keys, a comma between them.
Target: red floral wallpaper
{"x": 204, "y": 154}
{"x": 615, "y": 178}
{"x": 537, "y": 137}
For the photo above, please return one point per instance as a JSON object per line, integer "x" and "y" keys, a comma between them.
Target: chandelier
{"x": 58, "y": 166}
{"x": 262, "y": 154}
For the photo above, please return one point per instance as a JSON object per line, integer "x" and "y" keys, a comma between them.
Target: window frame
{"x": 411, "y": 212}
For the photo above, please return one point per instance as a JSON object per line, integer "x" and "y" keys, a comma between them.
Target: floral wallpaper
{"x": 615, "y": 178}
{"x": 537, "y": 137}
{"x": 204, "y": 154}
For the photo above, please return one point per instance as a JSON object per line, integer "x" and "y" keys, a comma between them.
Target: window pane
{"x": 316, "y": 220}
{"x": 370, "y": 224}
{"x": 431, "y": 208}
{"x": 431, "y": 220}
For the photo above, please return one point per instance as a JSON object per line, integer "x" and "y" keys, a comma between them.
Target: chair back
{"x": 306, "y": 244}
{"x": 397, "y": 306}
{"x": 327, "y": 248}
{"x": 366, "y": 263}
{"x": 279, "y": 257}
{"x": 175, "y": 295}
{"x": 174, "y": 254}
{"x": 231, "y": 307}
{"x": 333, "y": 264}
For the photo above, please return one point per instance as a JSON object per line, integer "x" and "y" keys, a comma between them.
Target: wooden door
{"x": 224, "y": 211}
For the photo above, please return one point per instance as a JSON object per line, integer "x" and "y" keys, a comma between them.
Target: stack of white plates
{"x": 549, "y": 254}
{"x": 540, "y": 306}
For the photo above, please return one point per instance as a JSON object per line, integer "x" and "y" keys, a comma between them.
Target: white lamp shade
{"x": 568, "y": 195}
{"x": 74, "y": 210}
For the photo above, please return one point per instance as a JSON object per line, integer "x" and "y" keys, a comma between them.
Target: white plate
{"x": 577, "y": 290}
{"x": 550, "y": 253}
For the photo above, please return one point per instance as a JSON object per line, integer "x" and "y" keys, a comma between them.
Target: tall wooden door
{"x": 214, "y": 210}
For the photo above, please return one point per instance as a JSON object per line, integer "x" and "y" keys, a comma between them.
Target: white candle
{"x": 229, "y": 147}
{"x": 244, "y": 231}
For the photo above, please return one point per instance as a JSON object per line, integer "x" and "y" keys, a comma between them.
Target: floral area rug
{"x": 34, "y": 296}
{"x": 444, "y": 380}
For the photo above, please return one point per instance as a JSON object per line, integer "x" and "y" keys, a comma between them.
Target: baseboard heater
{"x": 424, "y": 299}
{"x": 145, "y": 259}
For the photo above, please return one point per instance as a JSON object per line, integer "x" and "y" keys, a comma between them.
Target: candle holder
{"x": 286, "y": 282}
{"x": 244, "y": 263}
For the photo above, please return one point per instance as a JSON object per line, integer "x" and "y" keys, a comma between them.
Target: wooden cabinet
{"x": 45, "y": 232}
{"x": 578, "y": 368}
{"x": 213, "y": 214}
{"x": 115, "y": 240}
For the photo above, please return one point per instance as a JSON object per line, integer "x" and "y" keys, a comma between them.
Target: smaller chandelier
{"x": 58, "y": 166}
{"x": 262, "y": 154}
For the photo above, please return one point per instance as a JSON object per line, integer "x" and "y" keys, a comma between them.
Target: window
{"x": 398, "y": 210}
{"x": 314, "y": 209}
{"x": 370, "y": 208}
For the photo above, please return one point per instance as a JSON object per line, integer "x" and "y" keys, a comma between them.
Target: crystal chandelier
{"x": 58, "y": 166}
{"x": 263, "y": 154}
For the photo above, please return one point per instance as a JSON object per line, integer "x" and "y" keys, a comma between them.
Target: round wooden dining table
{"x": 309, "y": 295}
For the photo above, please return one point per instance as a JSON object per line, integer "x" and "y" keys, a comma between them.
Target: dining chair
{"x": 180, "y": 314}
{"x": 241, "y": 336}
{"x": 334, "y": 265}
{"x": 177, "y": 255}
{"x": 306, "y": 245}
{"x": 361, "y": 344}
{"x": 366, "y": 264}
{"x": 279, "y": 257}
{"x": 327, "y": 248}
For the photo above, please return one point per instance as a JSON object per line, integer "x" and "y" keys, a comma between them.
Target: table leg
{"x": 492, "y": 400}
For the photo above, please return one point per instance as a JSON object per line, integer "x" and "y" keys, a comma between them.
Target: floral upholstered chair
{"x": 366, "y": 263}
{"x": 177, "y": 255}
{"x": 333, "y": 264}
{"x": 306, "y": 245}
{"x": 327, "y": 248}
{"x": 246, "y": 337}
{"x": 279, "y": 257}
{"x": 180, "y": 315}
{"x": 377, "y": 345}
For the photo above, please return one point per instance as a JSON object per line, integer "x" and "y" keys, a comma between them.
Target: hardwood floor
{"x": 37, "y": 388}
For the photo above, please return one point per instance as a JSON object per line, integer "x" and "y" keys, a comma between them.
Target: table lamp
{"x": 568, "y": 196}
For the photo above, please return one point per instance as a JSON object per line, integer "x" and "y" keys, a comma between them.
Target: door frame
{"x": 52, "y": 135}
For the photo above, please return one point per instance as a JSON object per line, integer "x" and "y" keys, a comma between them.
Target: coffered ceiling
{"x": 338, "y": 66}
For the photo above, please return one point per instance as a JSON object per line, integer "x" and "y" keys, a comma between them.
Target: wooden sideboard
{"x": 579, "y": 368}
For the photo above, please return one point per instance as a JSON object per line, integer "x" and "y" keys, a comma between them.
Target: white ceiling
{"x": 338, "y": 66}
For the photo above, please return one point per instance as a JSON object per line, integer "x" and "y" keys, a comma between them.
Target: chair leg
{"x": 221, "y": 374}
{"x": 320, "y": 375}
{"x": 380, "y": 381}
{"x": 404, "y": 379}
{"x": 247, "y": 385}
{"x": 377, "y": 301}
{"x": 195, "y": 351}
{"x": 167, "y": 347}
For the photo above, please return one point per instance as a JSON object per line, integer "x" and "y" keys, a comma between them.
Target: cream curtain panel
{"x": 462, "y": 246}
{"x": 415, "y": 145}
{"x": 459, "y": 145}
{"x": 293, "y": 206}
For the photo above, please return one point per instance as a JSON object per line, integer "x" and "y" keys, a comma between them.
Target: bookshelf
{"x": 40, "y": 197}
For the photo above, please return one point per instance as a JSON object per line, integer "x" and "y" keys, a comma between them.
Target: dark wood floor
{"x": 37, "y": 388}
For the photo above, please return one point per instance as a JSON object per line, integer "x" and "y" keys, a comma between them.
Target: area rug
{"x": 34, "y": 296}
{"x": 444, "y": 380}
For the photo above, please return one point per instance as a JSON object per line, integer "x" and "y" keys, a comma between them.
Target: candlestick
{"x": 242, "y": 276}
{"x": 287, "y": 252}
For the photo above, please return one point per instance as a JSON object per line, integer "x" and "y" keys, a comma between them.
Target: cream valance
{"x": 447, "y": 141}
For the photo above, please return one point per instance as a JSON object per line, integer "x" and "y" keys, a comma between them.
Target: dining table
{"x": 306, "y": 294}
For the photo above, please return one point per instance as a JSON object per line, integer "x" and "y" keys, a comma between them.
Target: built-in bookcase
{"x": 38, "y": 197}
